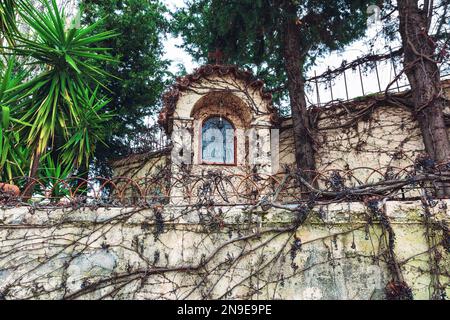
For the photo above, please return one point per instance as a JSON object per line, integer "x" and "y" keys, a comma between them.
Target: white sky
{"x": 173, "y": 53}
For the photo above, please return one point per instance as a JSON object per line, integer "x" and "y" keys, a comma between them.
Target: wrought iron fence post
{"x": 317, "y": 89}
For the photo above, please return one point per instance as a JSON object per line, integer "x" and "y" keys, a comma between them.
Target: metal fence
{"x": 223, "y": 189}
{"x": 152, "y": 139}
{"x": 358, "y": 80}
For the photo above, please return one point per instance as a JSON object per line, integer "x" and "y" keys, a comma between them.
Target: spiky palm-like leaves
{"x": 68, "y": 57}
{"x": 60, "y": 103}
{"x": 8, "y": 20}
{"x": 14, "y": 156}
{"x": 80, "y": 147}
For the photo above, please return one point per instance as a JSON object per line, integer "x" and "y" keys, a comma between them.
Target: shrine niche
{"x": 221, "y": 119}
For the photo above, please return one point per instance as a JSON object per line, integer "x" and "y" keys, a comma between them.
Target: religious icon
{"x": 218, "y": 141}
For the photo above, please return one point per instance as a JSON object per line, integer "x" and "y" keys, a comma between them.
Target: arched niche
{"x": 223, "y": 104}
{"x": 231, "y": 108}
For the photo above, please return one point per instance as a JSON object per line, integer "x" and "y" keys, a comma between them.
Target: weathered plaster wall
{"x": 141, "y": 166}
{"x": 172, "y": 253}
{"x": 388, "y": 136}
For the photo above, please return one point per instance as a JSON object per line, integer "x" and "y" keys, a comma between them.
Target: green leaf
{"x": 72, "y": 63}
{"x": 5, "y": 116}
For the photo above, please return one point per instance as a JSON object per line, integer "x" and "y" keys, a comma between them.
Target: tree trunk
{"x": 29, "y": 187}
{"x": 82, "y": 186}
{"x": 424, "y": 77}
{"x": 294, "y": 60}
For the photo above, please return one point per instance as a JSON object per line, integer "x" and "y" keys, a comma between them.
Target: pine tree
{"x": 421, "y": 66}
{"x": 278, "y": 39}
{"x": 140, "y": 70}
{"x": 423, "y": 30}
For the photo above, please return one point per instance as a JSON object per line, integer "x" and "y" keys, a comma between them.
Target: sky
{"x": 173, "y": 52}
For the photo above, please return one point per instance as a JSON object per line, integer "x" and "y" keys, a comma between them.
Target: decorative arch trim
{"x": 170, "y": 98}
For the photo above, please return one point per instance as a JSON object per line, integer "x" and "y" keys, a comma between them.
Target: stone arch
{"x": 223, "y": 104}
{"x": 212, "y": 80}
{"x": 232, "y": 108}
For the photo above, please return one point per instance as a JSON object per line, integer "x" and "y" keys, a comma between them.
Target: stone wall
{"x": 341, "y": 251}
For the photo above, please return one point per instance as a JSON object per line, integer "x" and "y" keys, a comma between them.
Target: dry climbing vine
{"x": 222, "y": 250}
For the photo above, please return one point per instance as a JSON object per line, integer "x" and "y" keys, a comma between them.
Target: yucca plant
{"x": 8, "y": 20}
{"x": 14, "y": 157}
{"x": 53, "y": 176}
{"x": 66, "y": 60}
{"x": 91, "y": 130}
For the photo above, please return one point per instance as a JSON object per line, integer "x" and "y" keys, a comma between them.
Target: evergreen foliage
{"x": 140, "y": 72}
{"x": 250, "y": 32}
